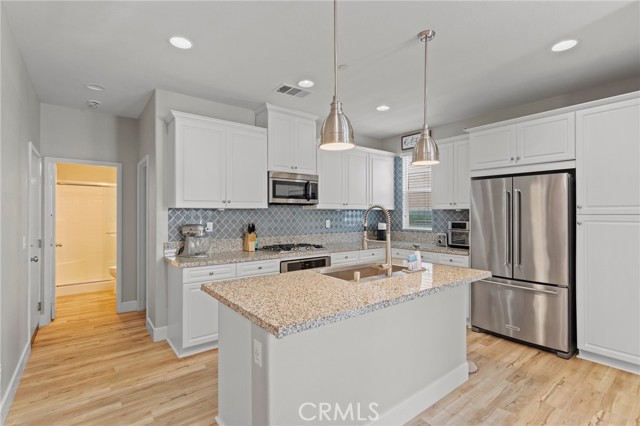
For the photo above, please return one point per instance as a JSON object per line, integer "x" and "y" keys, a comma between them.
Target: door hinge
{"x": 39, "y": 306}
{"x": 40, "y": 243}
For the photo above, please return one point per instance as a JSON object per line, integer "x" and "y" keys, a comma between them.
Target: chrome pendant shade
{"x": 337, "y": 133}
{"x": 425, "y": 152}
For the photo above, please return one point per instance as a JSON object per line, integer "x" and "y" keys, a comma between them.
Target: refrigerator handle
{"x": 517, "y": 223}
{"x": 507, "y": 234}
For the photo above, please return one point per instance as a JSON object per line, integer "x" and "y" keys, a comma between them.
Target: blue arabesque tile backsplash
{"x": 283, "y": 220}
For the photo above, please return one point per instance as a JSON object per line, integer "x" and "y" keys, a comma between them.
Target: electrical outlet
{"x": 327, "y": 224}
{"x": 257, "y": 352}
{"x": 209, "y": 227}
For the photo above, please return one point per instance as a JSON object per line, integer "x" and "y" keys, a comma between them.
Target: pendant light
{"x": 425, "y": 152}
{"x": 337, "y": 133}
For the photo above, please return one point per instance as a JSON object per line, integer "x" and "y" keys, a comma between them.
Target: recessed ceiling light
{"x": 95, "y": 87}
{"x": 564, "y": 45}
{"x": 180, "y": 42}
{"x": 383, "y": 108}
{"x": 306, "y": 83}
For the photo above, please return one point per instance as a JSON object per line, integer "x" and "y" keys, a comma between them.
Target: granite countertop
{"x": 289, "y": 303}
{"x": 242, "y": 256}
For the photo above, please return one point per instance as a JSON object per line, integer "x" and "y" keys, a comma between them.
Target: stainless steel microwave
{"x": 292, "y": 188}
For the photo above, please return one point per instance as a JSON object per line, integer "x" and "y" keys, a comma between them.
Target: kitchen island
{"x": 304, "y": 347}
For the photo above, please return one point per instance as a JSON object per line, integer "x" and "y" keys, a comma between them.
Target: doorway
{"x": 83, "y": 230}
{"x": 34, "y": 239}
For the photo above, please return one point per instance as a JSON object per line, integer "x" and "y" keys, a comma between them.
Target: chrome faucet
{"x": 387, "y": 257}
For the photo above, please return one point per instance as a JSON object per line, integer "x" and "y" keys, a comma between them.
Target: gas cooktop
{"x": 292, "y": 247}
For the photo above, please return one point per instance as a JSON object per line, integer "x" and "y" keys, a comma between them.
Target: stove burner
{"x": 292, "y": 247}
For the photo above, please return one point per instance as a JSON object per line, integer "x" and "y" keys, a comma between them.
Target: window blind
{"x": 416, "y": 195}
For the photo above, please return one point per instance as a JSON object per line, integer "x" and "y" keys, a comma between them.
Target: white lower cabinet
{"x": 608, "y": 289}
{"x": 193, "y": 314}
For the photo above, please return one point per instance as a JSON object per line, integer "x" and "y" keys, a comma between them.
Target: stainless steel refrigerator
{"x": 522, "y": 230}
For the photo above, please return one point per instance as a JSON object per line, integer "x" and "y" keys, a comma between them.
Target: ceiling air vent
{"x": 291, "y": 90}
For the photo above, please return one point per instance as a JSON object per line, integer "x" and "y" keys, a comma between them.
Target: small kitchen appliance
{"x": 293, "y": 188}
{"x": 459, "y": 234}
{"x": 196, "y": 244}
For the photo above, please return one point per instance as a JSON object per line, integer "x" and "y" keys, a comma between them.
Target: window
{"x": 416, "y": 196}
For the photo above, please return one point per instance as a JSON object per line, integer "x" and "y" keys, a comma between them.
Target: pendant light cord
{"x": 426, "y": 43}
{"x": 335, "y": 49}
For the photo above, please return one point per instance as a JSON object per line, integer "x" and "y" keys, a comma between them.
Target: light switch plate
{"x": 327, "y": 224}
{"x": 209, "y": 227}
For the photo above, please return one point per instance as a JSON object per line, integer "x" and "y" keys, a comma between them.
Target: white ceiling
{"x": 486, "y": 55}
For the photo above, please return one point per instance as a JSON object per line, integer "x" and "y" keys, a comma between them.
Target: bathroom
{"x": 85, "y": 229}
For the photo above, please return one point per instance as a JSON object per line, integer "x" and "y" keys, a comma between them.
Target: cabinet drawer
{"x": 400, "y": 253}
{"x": 209, "y": 273}
{"x": 373, "y": 254}
{"x": 345, "y": 257}
{"x": 453, "y": 260}
{"x": 429, "y": 257}
{"x": 264, "y": 267}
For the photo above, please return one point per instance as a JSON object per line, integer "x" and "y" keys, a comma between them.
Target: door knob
{"x": 579, "y": 206}
{"x": 34, "y": 259}
{"x": 58, "y": 244}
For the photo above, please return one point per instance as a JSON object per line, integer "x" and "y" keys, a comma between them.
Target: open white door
{"x": 35, "y": 238}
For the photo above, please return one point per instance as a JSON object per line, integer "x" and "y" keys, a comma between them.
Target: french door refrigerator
{"x": 522, "y": 230}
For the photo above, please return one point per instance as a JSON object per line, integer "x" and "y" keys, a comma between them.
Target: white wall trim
{"x": 611, "y": 362}
{"x": 49, "y": 233}
{"x": 33, "y": 150}
{"x": 157, "y": 334}
{"x": 129, "y": 306}
{"x": 424, "y": 398}
{"x": 142, "y": 214}
{"x": 7, "y": 399}
{"x": 529, "y": 168}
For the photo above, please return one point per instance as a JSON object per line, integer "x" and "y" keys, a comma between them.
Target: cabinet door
{"x": 200, "y": 315}
{"x": 608, "y": 149}
{"x": 331, "y": 178}
{"x": 381, "y": 186}
{"x": 246, "y": 169}
{"x": 357, "y": 175}
{"x": 546, "y": 139}
{"x": 442, "y": 178}
{"x": 281, "y": 142}
{"x": 493, "y": 148}
{"x": 608, "y": 286}
{"x": 200, "y": 165}
{"x": 462, "y": 175}
{"x": 306, "y": 146}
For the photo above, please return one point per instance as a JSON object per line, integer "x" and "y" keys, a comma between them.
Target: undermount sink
{"x": 368, "y": 272}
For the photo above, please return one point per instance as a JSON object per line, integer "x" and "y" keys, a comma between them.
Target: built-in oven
{"x": 459, "y": 234}
{"x": 307, "y": 263}
{"x": 292, "y": 188}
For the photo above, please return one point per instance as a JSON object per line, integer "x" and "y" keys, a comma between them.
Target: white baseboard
{"x": 611, "y": 362}
{"x": 130, "y": 306}
{"x": 65, "y": 290}
{"x": 7, "y": 398}
{"x": 424, "y": 398}
{"x": 157, "y": 334}
{"x": 219, "y": 422}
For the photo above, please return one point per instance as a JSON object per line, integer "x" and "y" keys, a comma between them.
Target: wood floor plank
{"x": 94, "y": 367}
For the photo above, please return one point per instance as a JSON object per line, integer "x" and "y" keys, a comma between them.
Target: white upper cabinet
{"x": 292, "y": 139}
{"x": 450, "y": 179}
{"x": 607, "y": 164}
{"x": 215, "y": 164}
{"x": 381, "y": 184}
{"x": 355, "y": 179}
{"x": 543, "y": 140}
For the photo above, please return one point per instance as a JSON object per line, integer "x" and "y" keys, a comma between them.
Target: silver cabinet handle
{"x": 579, "y": 223}
{"x": 512, "y": 158}
{"x": 34, "y": 259}
{"x": 522, "y": 288}
{"x": 517, "y": 158}
{"x": 228, "y": 201}
{"x": 259, "y": 267}
{"x": 579, "y": 206}
{"x": 224, "y": 201}
{"x": 507, "y": 232}
{"x": 518, "y": 221}
{"x": 211, "y": 273}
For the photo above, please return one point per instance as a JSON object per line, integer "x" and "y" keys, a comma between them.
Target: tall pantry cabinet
{"x": 608, "y": 233}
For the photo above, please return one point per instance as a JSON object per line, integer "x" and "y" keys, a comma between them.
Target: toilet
{"x": 113, "y": 271}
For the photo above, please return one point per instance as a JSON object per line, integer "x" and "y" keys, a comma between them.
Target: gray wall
{"x": 457, "y": 128}
{"x": 90, "y": 135}
{"x": 20, "y": 124}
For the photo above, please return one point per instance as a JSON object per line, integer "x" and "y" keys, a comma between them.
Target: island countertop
{"x": 289, "y": 303}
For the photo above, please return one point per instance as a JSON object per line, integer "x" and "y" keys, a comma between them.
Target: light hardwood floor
{"x": 93, "y": 367}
